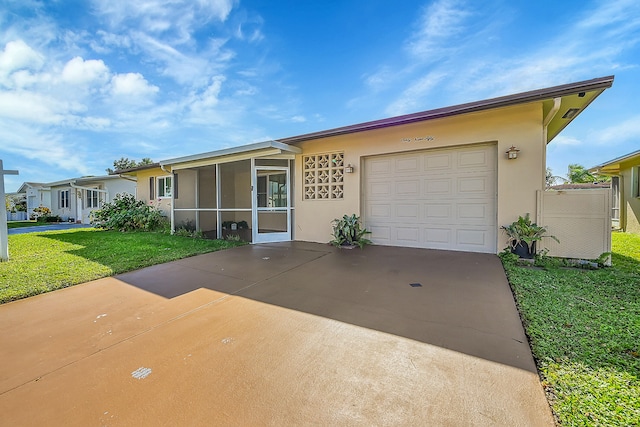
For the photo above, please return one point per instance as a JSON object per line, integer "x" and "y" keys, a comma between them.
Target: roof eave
{"x": 600, "y": 84}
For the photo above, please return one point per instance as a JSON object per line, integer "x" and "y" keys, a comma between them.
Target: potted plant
{"x": 523, "y": 234}
{"x": 347, "y": 232}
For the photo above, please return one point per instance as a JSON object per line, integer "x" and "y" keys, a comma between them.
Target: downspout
{"x": 173, "y": 219}
{"x": 545, "y": 126}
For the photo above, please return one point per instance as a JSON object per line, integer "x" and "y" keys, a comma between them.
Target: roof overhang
{"x": 613, "y": 167}
{"x": 244, "y": 152}
{"x": 573, "y": 96}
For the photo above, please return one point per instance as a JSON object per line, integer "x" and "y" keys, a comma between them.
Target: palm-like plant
{"x": 348, "y": 231}
{"x": 525, "y": 231}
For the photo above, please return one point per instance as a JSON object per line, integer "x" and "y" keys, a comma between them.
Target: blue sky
{"x": 83, "y": 83}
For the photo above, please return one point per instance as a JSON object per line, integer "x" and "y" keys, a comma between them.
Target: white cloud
{"x": 411, "y": 98}
{"x": 133, "y": 86}
{"x": 202, "y": 104}
{"x": 298, "y": 119}
{"x": 180, "y": 17}
{"x": 17, "y": 61}
{"x": 439, "y": 23}
{"x": 78, "y": 71}
{"x": 562, "y": 140}
{"x": 42, "y": 145}
{"x": 18, "y": 55}
{"x": 628, "y": 130}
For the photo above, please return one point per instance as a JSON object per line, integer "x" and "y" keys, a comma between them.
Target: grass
{"x": 45, "y": 261}
{"x": 584, "y": 330}
{"x": 19, "y": 224}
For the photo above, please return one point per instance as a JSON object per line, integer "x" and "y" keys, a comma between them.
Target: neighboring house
{"x": 74, "y": 199}
{"x": 37, "y": 194}
{"x": 440, "y": 179}
{"x": 625, "y": 184}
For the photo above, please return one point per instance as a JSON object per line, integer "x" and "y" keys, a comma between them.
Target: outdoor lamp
{"x": 512, "y": 153}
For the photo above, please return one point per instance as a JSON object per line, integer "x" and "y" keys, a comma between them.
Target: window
{"x": 272, "y": 190}
{"x": 323, "y": 176}
{"x": 93, "y": 199}
{"x": 63, "y": 200}
{"x": 164, "y": 187}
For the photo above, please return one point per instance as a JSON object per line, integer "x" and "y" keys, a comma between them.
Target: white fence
{"x": 580, "y": 219}
{"x": 16, "y": 216}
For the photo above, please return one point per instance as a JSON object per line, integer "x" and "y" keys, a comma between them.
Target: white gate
{"x": 580, "y": 219}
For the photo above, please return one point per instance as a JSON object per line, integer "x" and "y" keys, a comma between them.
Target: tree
{"x": 578, "y": 174}
{"x": 126, "y": 163}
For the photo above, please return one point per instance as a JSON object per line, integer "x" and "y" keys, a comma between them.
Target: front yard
{"x": 584, "y": 330}
{"x": 42, "y": 262}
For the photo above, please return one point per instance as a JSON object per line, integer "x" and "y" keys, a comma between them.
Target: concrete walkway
{"x": 281, "y": 334}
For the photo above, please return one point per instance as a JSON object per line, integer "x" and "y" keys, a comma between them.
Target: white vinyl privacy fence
{"x": 580, "y": 219}
{"x": 16, "y": 216}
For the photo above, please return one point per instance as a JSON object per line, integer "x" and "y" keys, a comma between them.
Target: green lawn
{"x": 42, "y": 262}
{"x": 19, "y": 224}
{"x": 584, "y": 330}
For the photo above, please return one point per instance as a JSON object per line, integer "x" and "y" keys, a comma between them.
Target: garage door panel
{"x": 407, "y": 165}
{"x": 471, "y": 237}
{"x": 480, "y": 213}
{"x": 409, "y": 188}
{"x": 379, "y": 211}
{"x": 475, "y": 159}
{"x": 380, "y": 166}
{"x": 379, "y": 190}
{"x": 380, "y": 234}
{"x": 436, "y": 163}
{"x": 437, "y": 187}
{"x": 407, "y": 235}
{"x": 474, "y": 185}
{"x": 437, "y": 237}
{"x": 440, "y": 199}
{"x": 408, "y": 212}
{"x": 437, "y": 212}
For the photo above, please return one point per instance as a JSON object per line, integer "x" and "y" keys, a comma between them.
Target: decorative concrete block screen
{"x": 580, "y": 219}
{"x": 324, "y": 176}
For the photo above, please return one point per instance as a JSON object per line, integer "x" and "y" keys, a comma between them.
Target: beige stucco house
{"x": 625, "y": 182}
{"x": 437, "y": 179}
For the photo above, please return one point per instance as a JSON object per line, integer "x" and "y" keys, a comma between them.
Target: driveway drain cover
{"x": 415, "y": 285}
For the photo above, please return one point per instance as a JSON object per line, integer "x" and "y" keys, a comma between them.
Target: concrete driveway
{"x": 280, "y": 334}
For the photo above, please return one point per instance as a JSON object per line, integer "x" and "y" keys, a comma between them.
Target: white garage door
{"x": 437, "y": 199}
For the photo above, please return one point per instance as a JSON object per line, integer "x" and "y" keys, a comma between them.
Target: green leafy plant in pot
{"x": 523, "y": 234}
{"x": 347, "y": 231}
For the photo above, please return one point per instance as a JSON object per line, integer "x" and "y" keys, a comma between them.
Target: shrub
{"x": 348, "y": 231}
{"x": 125, "y": 213}
{"x": 40, "y": 212}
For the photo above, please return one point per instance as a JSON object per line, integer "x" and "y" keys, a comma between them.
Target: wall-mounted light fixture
{"x": 348, "y": 168}
{"x": 512, "y": 153}
{"x": 571, "y": 113}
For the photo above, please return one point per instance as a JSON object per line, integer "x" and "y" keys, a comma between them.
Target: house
{"x": 74, "y": 199}
{"x": 625, "y": 183}
{"x": 444, "y": 179}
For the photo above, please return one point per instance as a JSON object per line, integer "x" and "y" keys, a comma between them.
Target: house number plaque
{"x": 417, "y": 139}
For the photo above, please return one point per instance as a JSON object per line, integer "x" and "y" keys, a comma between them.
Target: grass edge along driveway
{"x": 46, "y": 261}
{"x": 584, "y": 331}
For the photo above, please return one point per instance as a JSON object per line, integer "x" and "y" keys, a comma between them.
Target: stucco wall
{"x": 518, "y": 180}
{"x": 631, "y": 210}
{"x": 143, "y": 190}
